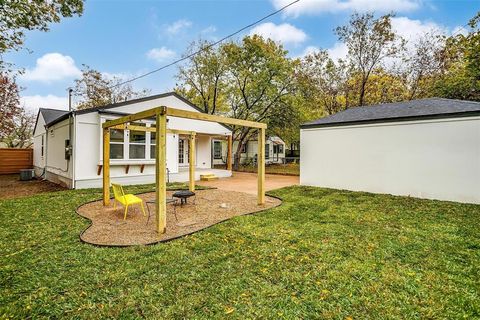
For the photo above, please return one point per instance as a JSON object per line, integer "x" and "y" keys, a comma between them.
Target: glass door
{"x": 182, "y": 151}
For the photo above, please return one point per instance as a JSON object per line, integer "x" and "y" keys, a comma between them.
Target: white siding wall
{"x": 89, "y": 155}
{"x": 435, "y": 159}
{"x": 38, "y": 158}
{"x": 58, "y": 169}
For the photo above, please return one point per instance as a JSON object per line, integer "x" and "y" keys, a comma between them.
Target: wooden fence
{"x": 13, "y": 160}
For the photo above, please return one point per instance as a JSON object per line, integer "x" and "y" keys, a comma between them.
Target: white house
{"x": 427, "y": 148}
{"x": 274, "y": 151}
{"x": 131, "y": 152}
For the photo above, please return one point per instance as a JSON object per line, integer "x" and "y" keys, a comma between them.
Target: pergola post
{"x": 106, "y": 166}
{"x": 191, "y": 161}
{"x": 261, "y": 166}
{"x": 160, "y": 170}
{"x": 229, "y": 152}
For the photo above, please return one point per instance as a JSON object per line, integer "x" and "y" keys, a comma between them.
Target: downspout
{"x": 70, "y": 142}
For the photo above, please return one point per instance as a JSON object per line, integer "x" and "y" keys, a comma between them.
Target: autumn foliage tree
{"x": 95, "y": 89}
{"x": 16, "y": 124}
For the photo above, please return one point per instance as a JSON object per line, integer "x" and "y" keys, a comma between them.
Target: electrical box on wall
{"x": 68, "y": 149}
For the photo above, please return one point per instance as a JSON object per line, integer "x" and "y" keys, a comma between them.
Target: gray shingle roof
{"x": 50, "y": 115}
{"x": 398, "y": 111}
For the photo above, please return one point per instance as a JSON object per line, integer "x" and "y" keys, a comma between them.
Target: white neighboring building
{"x": 131, "y": 152}
{"x": 427, "y": 148}
{"x": 274, "y": 151}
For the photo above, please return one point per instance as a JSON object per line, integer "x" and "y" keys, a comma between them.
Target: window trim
{"x": 215, "y": 156}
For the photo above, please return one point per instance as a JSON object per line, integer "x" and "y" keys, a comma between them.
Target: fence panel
{"x": 13, "y": 160}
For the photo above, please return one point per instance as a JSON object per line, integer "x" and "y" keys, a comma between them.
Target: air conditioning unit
{"x": 26, "y": 174}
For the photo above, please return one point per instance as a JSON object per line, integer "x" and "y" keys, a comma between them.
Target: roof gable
{"x": 398, "y": 111}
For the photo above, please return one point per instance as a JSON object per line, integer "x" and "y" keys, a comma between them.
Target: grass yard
{"x": 291, "y": 169}
{"x": 322, "y": 254}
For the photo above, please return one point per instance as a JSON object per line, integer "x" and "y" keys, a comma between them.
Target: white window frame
{"x": 214, "y": 151}
{"x": 126, "y": 144}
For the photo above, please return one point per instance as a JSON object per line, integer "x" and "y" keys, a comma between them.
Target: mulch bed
{"x": 11, "y": 187}
{"x": 211, "y": 207}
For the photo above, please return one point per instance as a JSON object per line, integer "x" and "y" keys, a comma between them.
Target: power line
{"x": 205, "y": 47}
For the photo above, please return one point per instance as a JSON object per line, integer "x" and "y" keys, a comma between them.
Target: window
{"x": 217, "y": 150}
{"x": 117, "y": 140}
{"x": 278, "y": 148}
{"x": 267, "y": 151}
{"x": 181, "y": 151}
{"x": 137, "y": 142}
{"x": 153, "y": 142}
{"x": 42, "y": 145}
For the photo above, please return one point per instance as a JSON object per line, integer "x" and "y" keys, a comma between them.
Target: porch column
{"x": 106, "y": 166}
{"x": 191, "y": 161}
{"x": 261, "y": 166}
{"x": 160, "y": 170}
{"x": 229, "y": 152}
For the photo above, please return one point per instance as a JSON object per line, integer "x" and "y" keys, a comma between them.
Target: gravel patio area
{"x": 211, "y": 207}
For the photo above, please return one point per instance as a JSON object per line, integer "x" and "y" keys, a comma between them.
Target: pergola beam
{"x": 149, "y": 129}
{"x": 160, "y": 114}
{"x": 212, "y": 118}
{"x": 191, "y": 161}
{"x": 136, "y": 116}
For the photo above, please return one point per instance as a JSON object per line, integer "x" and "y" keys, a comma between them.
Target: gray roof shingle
{"x": 50, "y": 115}
{"x": 399, "y": 111}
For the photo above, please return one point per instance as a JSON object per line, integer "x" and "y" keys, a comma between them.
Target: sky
{"x": 126, "y": 38}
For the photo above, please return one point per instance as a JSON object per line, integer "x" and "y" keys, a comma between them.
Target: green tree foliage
{"x": 460, "y": 78}
{"x": 251, "y": 80}
{"x": 18, "y": 16}
{"x": 95, "y": 89}
{"x": 260, "y": 80}
{"x": 202, "y": 80}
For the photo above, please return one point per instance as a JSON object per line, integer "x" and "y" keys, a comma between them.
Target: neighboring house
{"x": 427, "y": 148}
{"x": 131, "y": 152}
{"x": 274, "y": 151}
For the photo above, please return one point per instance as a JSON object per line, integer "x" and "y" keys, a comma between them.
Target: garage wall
{"x": 435, "y": 159}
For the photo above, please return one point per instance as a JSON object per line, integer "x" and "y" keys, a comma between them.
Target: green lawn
{"x": 322, "y": 254}
{"x": 291, "y": 169}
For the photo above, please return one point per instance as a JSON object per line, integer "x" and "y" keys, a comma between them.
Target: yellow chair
{"x": 125, "y": 199}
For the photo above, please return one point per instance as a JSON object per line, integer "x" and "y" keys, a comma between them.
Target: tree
{"x": 422, "y": 64}
{"x": 9, "y": 106}
{"x": 370, "y": 42}
{"x": 17, "y": 16}
{"x": 95, "y": 89}
{"x": 260, "y": 80}
{"x": 202, "y": 79}
{"x": 460, "y": 78}
{"x": 323, "y": 83}
{"x": 16, "y": 124}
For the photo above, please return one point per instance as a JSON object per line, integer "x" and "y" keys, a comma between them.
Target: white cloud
{"x": 177, "y": 26}
{"x": 52, "y": 67}
{"x": 338, "y": 51}
{"x": 318, "y": 6}
{"x": 160, "y": 54}
{"x": 284, "y": 33}
{"x": 209, "y": 29}
{"x": 412, "y": 30}
{"x": 33, "y": 103}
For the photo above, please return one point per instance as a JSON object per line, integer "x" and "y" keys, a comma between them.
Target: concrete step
{"x": 208, "y": 177}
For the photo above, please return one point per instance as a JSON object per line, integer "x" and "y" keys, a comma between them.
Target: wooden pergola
{"x": 160, "y": 114}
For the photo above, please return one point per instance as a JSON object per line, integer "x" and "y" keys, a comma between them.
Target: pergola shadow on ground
{"x": 211, "y": 207}
{"x": 161, "y": 130}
